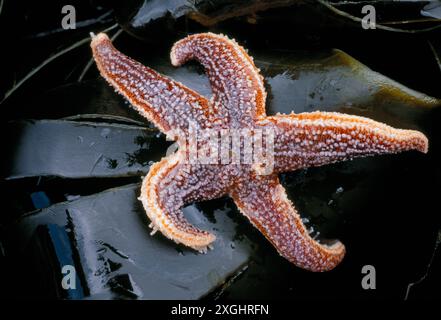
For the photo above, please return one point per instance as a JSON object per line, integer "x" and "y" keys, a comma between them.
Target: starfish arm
{"x": 235, "y": 81}
{"x": 319, "y": 138}
{"x": 166, "y": 103}
{"x": 263, "y": 200}
{"x": 170, "y": 185}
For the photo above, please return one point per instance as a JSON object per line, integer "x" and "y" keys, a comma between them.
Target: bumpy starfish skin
{"x": 318, "y": 138}
{"x": 238, "y": 102}
{"x": 238, "y": 90}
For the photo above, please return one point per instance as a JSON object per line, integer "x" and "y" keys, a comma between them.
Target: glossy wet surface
{"x": 383, "y": 209}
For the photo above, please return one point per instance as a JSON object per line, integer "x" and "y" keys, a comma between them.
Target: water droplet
{"x": 105, "y": 132}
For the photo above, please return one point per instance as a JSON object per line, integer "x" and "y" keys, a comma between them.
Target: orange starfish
{"x": 238, "y": 103}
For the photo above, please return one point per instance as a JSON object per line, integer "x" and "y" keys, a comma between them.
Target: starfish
{"x": 238, "y": 103}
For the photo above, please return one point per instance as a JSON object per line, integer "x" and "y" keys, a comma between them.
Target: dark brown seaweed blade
{"x": 144, "y": 17}
{"x": 73, "y": 99}
{"x": 335, "y": 81}
{"x": 395, "y": 16}
{"x": 150, "y": 20}
{"x": 116, "y": 257}
{"x": 73, "y": 149}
